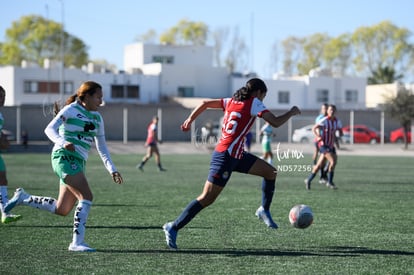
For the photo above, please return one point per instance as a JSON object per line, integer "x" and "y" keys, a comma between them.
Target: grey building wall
{"x": 35, "y": 118}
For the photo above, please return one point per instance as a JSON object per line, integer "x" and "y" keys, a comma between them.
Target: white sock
{"x": 79, "y": 221}
{"x": 44, "y": 203}
{"x": 3, "y": 199}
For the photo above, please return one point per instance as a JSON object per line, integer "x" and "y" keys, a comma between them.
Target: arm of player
{"x": 208, "y": 104}
{"x": 52, "y": 132}
{"x": 106, "y": 159}
{"x": 277, "y": 121}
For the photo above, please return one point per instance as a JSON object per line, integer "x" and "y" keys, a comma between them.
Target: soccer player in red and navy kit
{"x": 240, "y": 113}
{"x": 325, "y": 131}
{"x": 152, "y": 145}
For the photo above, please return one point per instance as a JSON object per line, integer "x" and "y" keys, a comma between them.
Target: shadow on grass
{"x": 227, "y": 252}
{"x": 365, "y": 250}
{"x": 131, "y": 227}
{"x": 329, "y": 252}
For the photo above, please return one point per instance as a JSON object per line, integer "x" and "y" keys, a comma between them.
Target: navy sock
{"x": 311, "y": 177}
{"x": 188, "y": 214}
{"x": 268, "y": 189}
{"x": 330, "y": 176}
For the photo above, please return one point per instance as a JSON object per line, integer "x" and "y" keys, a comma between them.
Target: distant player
{"x": 152, "y": 145}
{"x": 322, "y": 114}
{"x": 325, "y": 131}
{"x": 240, "y": 113}
{"x": 267, "y": 133}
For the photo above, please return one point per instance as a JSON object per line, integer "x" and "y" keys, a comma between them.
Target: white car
{"x": 304, "y": 134}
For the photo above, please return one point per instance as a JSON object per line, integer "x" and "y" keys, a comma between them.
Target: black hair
{"x": 252, "y": 86}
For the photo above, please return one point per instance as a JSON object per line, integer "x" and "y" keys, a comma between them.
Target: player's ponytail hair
{"x": 86, "y": 88}
{"x": 252, "y": 86}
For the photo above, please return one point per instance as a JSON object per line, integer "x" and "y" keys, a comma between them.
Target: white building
{"x": 157, "y": 72}
{"x": 184, "y": 71}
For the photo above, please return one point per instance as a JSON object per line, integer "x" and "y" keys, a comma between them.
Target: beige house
{"x": 377, "y": 95}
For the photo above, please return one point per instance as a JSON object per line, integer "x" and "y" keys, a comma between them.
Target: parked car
{"x": 304, "y": 134}
{"x": 397, "y": 135}
{"x": 362, "y": 134}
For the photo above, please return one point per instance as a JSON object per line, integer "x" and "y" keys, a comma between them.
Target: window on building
{"x": 283, "y": 97}
{"x": 45, "y": 87}
{"x": 322, "y": 95}
{"x": 31, "y": 87}
{"x": 68, "y": 88}
{"x": 351, "y": 96}
{"x": 117, "y": 91}
{"x": 163, "y": 59}
{"x": 125, "y": 91}
{"x": 132, "y": 91}
{"x": 51, "y": 87}
{"x": 186, "y": 91}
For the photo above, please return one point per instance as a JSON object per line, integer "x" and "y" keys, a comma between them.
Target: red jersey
{"x": 239, "y": 117}
{"x": 151, "y": 134}
{"x": 329, "y": 127}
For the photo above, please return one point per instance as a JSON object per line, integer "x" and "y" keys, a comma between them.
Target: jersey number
{"x": 231, "y": 124}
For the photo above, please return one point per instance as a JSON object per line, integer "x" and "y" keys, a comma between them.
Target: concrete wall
{"x": 35, "y": 118}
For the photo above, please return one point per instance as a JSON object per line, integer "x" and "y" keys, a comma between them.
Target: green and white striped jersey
{"x": 80, "y": 127}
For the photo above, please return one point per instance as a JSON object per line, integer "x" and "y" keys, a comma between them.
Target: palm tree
{"x": 384, "y": 75}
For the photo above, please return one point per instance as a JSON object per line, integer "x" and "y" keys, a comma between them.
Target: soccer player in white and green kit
{"x": 73, "y": 130}
{"x": 6, "y": 217}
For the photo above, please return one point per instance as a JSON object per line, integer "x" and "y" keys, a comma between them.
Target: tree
{"x": 401, "y": 107}
{"x": 292, "y": 53}
{"x": 313, "y": 49}
{"x": 149, "y": 37}
{"x": 34, "y": 39}
{"x": 186, "y": 33}
{"x": 237, "y": 56}
{"x": 383, "y": 75}
{"x": 220, "y": 37}
{"x": 337, "y": 54}
{"x": 382, "y": 48}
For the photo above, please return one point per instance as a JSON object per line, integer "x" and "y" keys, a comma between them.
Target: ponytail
{"x": 69, "y": 100}
{"x": 252, "y": 86}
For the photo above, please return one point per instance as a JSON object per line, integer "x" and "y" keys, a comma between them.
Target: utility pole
{"x": 62, "y": 56}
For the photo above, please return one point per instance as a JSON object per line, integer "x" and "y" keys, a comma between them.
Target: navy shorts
{"x": 222, "y": 165}
{"x": 326, "y": 149}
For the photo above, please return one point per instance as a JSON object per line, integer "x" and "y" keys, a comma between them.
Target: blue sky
{"x": 107, "y": 26}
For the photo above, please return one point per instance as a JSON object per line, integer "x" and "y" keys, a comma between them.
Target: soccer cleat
{"x": 18, "y": 198}
{"x": 8, "y": 218}
{"x": 307, "y": 184}
{"x": 162, "y": 169}
{"x": 170, "y": 235}
{"x": 323, "y": 180}
{"x": 331, "y": 185}
{"x": 139, "y": 167}
{"x": 265, "y": 216}
{"x": 83, "y": 247}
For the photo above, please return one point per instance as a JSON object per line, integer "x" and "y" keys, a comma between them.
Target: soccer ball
{"x": 301, "y": 216}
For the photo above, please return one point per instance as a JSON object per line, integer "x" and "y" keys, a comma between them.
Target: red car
{"x": 398, "y": 135}
{"x": 363, "y": 134}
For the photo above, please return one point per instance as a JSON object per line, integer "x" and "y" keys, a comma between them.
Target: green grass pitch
{"x": 364, "y": 227}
